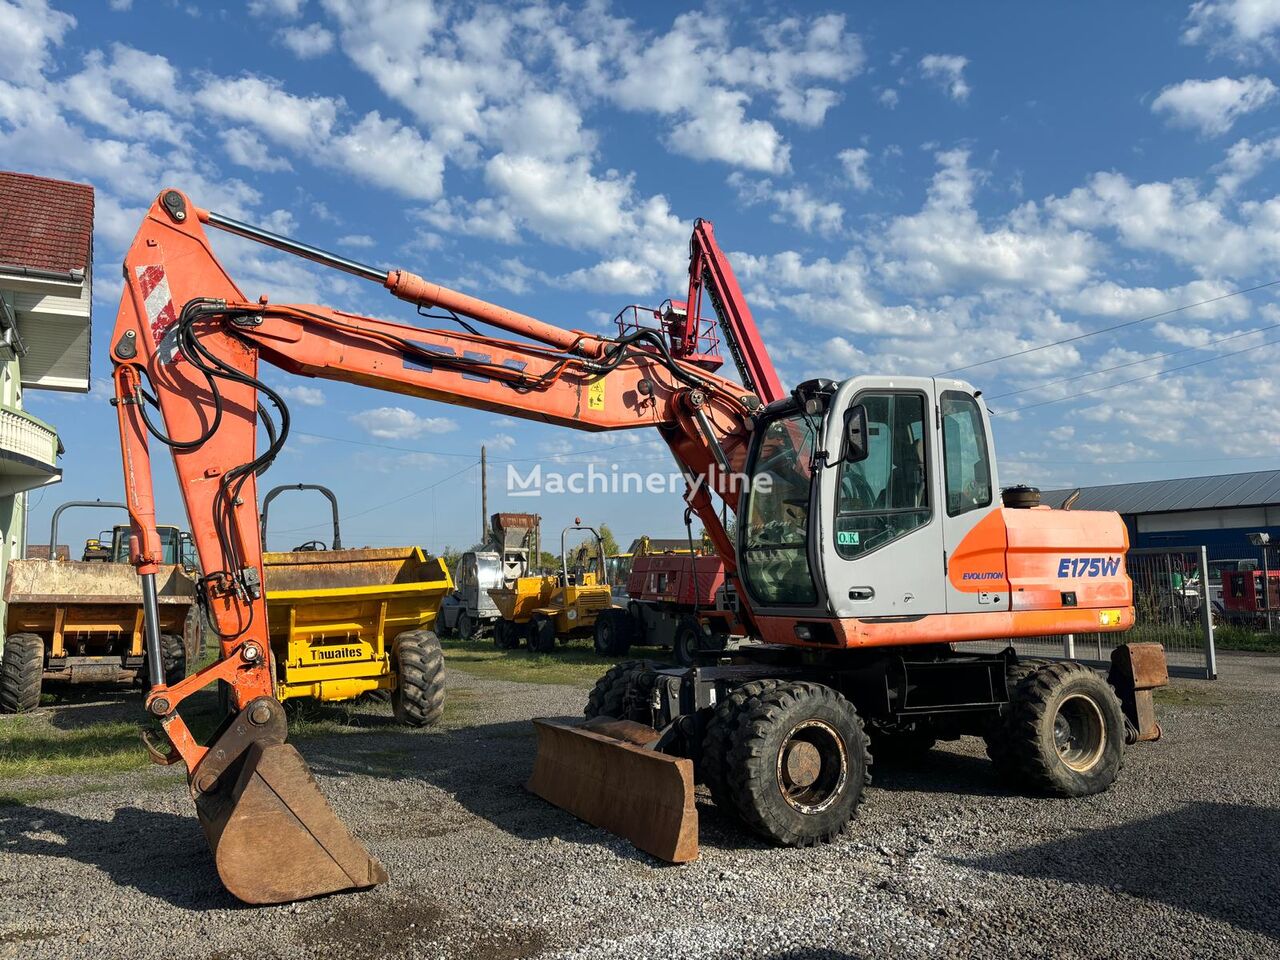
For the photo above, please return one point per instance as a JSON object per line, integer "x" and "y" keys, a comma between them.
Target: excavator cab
{"x": 859, "y": 492}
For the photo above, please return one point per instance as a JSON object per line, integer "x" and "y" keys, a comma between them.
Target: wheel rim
{"x": 1079, "y": 732}
{"x": 464, "y": 627}
{"x": 813, "y": 766}
{"x": 606, "y": 637}
{"x": 688, "y": 646}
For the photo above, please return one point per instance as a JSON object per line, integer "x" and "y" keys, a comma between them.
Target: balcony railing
{"x": 28, "y": 437}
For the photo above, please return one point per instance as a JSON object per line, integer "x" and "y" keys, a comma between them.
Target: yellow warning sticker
{"x": 1109, "y": 618}
{"x": 595, "y": 395}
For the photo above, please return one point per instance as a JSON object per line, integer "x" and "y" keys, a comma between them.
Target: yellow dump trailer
{"x": 349, "y": 622}
{"x": 74, "y": 622}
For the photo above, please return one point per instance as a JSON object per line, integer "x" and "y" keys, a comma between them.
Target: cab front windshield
{"x": 776, "y": 535}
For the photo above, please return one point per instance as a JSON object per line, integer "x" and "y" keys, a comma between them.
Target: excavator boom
{"x": 187, "y": 346}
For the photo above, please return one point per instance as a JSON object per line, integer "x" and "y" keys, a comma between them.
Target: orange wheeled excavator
{"x": 870, "y": 545}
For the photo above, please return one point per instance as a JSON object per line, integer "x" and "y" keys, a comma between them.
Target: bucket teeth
{"x": 610, "y": 782}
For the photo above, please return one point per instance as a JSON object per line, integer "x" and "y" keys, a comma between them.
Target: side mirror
{"x": 855, "y": 434}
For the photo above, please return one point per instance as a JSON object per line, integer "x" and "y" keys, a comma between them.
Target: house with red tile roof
{"x": 46, "y": 265}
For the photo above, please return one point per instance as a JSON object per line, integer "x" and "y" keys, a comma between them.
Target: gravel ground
{"x": 1179, "y": 858}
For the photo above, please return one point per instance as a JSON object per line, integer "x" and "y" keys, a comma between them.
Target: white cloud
{"x": 307, "y": 396}
{"x": 265, "y": 104}
{"x": 485, "y": 217}
{"x": 307, "y": 42}
{"x": 888, "y": 98}
{"x": 561, "y": 201}
{"x": 947, "y": 70}
{"x": 387, "y": 153}
{"x": 947, "y": 247}
{"x": 469, "y": 77}
{"x": 245, "y": 148}
{"x": 501, "y": 443}
{"x": 360, "y": 240}
{"x": 276, "y": 8}
{"x": 1214, "y": 235}
{"x": 1240, "y": 28}
{"x": 1244, "y": 161}
{"x": 720, "y": 130}
{"x": 792, "y": 204}
{"x": 540, "y": 124}
{"x": 854, "y": 162}
{"x": 1213, "y": 106}
{"x": 397, "y": 423}
{"x": 28, "y": 31}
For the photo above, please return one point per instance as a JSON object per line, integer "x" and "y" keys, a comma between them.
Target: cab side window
{"x": 965, "y": 454}
{"x": 885, "y": 495}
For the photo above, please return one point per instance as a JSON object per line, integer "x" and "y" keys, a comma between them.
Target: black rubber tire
{"x": 194, "y": 633}
{"x": 418, "y": 661}
{"x": 506, "y": 634}
{"x": 686, "y": 641}
{"x": 1031, "y": 746}
{"x": 765, "y": 726}
{"x": 21, "y": 671}
{"x": 718, "y": 738}
{"x": 608, "y": 698}
{"x": 996, "y": 737}
{"x": 464, "y": 629}
{"x": 174, "y": 649}
{"x": 540, "y": 634}
{"x": 614, "y": 632}
{"x": 173, "y": 653}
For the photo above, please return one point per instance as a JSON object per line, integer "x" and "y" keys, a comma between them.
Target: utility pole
{"x": 484, "y": 496}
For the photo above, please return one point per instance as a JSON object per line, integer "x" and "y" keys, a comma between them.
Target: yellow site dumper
{"x": 539, "y": 609}
{"x": 345, "y": 623}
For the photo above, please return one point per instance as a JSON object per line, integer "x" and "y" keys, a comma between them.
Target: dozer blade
{"x": 599, "y": 773}
{"x": 273, "y": 835}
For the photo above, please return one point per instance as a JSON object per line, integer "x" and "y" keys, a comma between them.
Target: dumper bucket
{"x": 603, "y": 772}
{"x": 273, "y": 835}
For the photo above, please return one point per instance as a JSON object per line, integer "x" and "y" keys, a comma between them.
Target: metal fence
{"x": 1173, "y": 603}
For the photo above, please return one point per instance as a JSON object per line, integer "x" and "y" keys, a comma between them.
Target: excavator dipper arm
{"x": 188, "y": 344}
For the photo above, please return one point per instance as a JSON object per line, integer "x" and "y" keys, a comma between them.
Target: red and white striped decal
{"x": 159, "y": 306}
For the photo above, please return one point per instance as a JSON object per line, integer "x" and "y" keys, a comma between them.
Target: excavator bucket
{"x": 273, "y": 835}
{"x": 604, "y": 772}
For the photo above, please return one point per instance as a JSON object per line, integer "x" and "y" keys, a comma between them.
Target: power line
{"x": 1133, "y": 363}
{"x": 444, "y": 453}
{"x": 1150, "y": 376}
{"x": 412, "y": 493}
{"x": 1117, "y": 326}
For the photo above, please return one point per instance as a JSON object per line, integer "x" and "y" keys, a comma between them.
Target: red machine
{"x": 870, "y": 544}
{"x": 1243, "y": 596}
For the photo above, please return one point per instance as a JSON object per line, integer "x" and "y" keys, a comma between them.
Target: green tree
{"x": 451, "y": 556}
{"x": 608, "y": 540}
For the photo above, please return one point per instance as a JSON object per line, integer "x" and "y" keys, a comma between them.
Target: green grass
{"x": 31, "y": 746}
{"x": 574, "y": 664}
{"x": 1230, "y": 636}
{"x": 1226, "y": 636}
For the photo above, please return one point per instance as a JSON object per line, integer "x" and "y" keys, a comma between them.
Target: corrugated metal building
{"x": 1218, "y": 511}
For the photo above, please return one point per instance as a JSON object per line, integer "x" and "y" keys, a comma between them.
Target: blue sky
{"x": 903, "y": 188}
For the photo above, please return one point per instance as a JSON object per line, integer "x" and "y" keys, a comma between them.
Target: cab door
{"x": 976, "y": 556}
{"x": 882, "y": 542}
